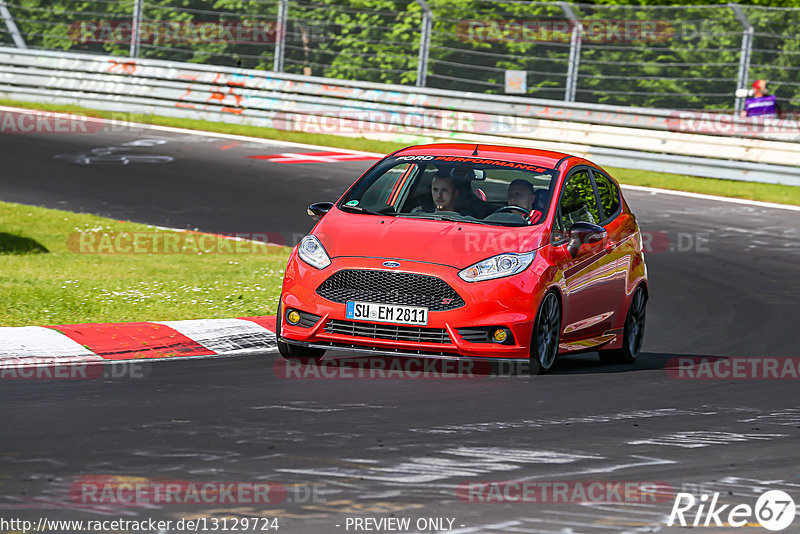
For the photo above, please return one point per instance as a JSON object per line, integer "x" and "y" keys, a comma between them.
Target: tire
{"x": 295, "y": 352}
{"x": 546, "y": 335}
{"x": 633, "y": 334}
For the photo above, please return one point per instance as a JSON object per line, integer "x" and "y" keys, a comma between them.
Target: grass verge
{"x": 57, "y": 268}
{"x": 781, "y": 194}
{"x": 728, "y": 188}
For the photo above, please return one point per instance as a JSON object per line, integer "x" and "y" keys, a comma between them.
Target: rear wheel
{"x": 633, "y": 334}
{"x": 546, "y": 335}
{"x": 294, "y": 352}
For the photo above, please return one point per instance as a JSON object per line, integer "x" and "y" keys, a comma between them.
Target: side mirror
{"x": 581, "y": 233}
{"x": 318, "y": 209}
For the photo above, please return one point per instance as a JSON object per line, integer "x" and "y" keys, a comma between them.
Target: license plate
{"x": 386, "y": 313}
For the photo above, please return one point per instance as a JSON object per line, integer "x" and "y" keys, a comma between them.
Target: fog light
{"x": 293, "y": 317}
{"x": 500, "y": 335}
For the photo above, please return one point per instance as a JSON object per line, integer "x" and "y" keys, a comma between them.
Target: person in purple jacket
{"x": 761, "y": 104}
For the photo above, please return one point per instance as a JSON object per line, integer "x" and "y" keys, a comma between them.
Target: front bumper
{"x": 509, "y": 302}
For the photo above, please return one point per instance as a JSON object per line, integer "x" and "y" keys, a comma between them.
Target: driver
{"x": 520, "y": 193}
{"x": 444, "y": 192}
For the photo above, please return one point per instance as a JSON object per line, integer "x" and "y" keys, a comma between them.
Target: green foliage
{"x": 690, "y": 62}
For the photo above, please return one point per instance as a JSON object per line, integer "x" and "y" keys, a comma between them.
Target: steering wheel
{"x": 516, "y": 209}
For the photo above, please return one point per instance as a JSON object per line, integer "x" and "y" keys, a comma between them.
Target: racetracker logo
{"x": 733, "y": 368}
{"x": 359, "y": 122}
{"x": 378, "y": 367}
{"x": 165, "y": 31}
{"x": 774, "y": 510}
{"x": 725, "y": 124}
{"x": 499, "y": 242}
{"x": 575, "y": 492}
{"x": 52, "y": 369}
{"x": 111, "y": 489}
{"x": 173, "y": 243}
{"x": 561, "y": 30}
{"x": 22, "y": 122}
{"x": 656, "y": 241}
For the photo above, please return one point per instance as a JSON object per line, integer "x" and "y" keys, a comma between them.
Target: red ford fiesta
{"x": 470, "y": 251}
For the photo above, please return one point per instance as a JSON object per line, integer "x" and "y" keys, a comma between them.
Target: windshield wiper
{"x": 448, "y": 218}
{"x": 359, "y": 209}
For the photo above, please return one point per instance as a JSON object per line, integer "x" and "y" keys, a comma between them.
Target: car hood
{"x": 454, "y": 244}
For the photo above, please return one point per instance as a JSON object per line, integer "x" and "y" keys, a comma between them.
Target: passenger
{"x": 520, "y": 193}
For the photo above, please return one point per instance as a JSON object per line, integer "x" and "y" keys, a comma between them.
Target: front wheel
{"x": 546, "y": 335}
{"x": 633, "y": 334}
{"x": 294, "y": 352}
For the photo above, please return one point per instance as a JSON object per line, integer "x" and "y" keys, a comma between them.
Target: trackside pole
{"x": 574, "y": 52}
{"x": 19, "y": 42}
{"x": 424, "y": 43}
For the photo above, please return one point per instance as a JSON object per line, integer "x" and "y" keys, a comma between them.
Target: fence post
{"x": 280, "y": 35}
{"x": 574, "y": 52}
{"x": 19, "y": 42}
{"x": 744, "y": 57}
{"x": 424, "y": 43}
{"x": 136, "y": 28}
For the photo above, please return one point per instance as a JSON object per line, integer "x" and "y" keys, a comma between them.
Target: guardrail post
{"x": 19, "y": 42}
{"x": 424, "y": 43}
{"x": 744, "y": 57}
{"x": 280, "y": 35}
{"x": 574, "y": 52}
{"x": 136, "y": 28}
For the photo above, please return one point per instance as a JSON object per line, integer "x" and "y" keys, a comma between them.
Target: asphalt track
{"x": 723, "y": 284}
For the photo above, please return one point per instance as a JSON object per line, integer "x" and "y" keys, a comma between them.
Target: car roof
{"x": 531, "y": 156}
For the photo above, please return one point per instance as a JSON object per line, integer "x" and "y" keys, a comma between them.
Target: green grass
{"x": 47, "y": 277}
{"x": 728, "y": 188}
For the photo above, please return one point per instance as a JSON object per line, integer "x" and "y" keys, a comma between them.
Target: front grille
{"x": 388, "y": 287}
{"x": 388, "y": 331}
{"x": 474, "y": 335}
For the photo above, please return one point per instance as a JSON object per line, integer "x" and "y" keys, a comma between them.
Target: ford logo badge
{"x": 391, "y": 264}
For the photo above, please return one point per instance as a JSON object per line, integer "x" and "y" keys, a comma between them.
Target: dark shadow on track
{"x": 17, "y": 244}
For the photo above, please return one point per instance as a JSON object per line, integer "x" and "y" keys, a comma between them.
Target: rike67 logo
{"x": 774, "y": 510}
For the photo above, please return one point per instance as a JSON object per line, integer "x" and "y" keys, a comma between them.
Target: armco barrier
{"x": 635, "y": 138}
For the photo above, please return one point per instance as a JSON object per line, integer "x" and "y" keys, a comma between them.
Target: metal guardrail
{"x": 623, "y": 137}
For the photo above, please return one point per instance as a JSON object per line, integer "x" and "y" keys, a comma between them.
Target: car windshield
{"x": 472, "y": 190}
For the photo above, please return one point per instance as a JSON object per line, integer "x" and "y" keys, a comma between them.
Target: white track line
{"x": 757, "y": 203}
{"x": 769, "y": 205}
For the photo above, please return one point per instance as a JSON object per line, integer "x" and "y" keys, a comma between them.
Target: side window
{"x": 609, "y": 195}
{"x": 578, "y": 202}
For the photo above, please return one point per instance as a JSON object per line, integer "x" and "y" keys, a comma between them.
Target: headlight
{"x": 313, "y": 253}
{"x": 497, "y": 267}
